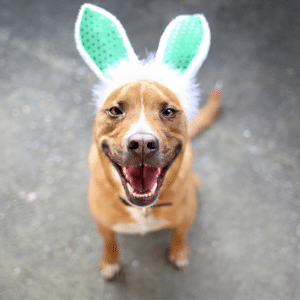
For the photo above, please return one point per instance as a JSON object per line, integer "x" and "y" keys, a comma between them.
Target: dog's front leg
{"x": 109, "y": 262}
{"x": 179, "y": 250}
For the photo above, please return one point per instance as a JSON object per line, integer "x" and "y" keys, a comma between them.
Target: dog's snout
{"x": 142, "y": 143}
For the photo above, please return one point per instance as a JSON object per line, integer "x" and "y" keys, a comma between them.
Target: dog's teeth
{"x": 124, "y": 171}
{"x": 159, "y": 171}
{"x": 130, "y": 189}
{"x": 153, "y": 188}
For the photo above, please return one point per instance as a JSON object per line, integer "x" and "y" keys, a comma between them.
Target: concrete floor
{"x": 245, "y": 242}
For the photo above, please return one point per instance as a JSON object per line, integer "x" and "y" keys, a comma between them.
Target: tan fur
{"x": 179, "y": 186}
{"x": 207, "y": 115}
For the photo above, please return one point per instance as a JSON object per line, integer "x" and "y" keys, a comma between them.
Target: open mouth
{"x": 142, "y": 183}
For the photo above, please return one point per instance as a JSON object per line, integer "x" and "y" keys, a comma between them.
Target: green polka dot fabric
{"x": 184, "y": 42}
{"x": 101, "y": 39}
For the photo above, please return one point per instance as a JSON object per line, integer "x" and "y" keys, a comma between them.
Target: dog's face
{"x": 142, "y": 129}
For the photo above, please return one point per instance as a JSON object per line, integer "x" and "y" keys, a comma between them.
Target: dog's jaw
{"x": 141, "y": 183}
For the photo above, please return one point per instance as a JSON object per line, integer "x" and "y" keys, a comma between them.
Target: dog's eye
{"x": 115, "y": 111}
{"x": 168, "y": 112}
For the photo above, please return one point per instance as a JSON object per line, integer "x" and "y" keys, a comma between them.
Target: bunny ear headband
{"x": 103, "y": 44}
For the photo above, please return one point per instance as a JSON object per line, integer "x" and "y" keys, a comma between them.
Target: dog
{"x": 141, "y": 156}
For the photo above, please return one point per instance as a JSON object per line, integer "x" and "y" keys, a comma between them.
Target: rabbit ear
{"x": 101, "y": 40}
{"x": 185, "y": 43}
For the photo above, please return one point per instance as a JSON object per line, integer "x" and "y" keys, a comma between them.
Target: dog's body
{"x": 177, "y": 203}
{"x": 141, "y": 158}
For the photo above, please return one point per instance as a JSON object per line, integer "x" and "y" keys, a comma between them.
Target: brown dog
{"x": 141, "y": 158}
{"x": 124, "y": 141}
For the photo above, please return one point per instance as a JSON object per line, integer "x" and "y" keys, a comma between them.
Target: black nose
{"x": 142, "y": 143}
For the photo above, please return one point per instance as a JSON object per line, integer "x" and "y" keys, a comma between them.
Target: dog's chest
{"x": 142, "y": 224}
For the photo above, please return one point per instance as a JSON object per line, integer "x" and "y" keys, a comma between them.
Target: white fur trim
{"x": 182, "y": 85}
{"x": 131, "y": 54}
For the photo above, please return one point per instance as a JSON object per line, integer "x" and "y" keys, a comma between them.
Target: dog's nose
{"x": 142, "y": 143}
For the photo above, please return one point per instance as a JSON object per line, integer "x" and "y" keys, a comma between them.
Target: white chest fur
{"x": 142, "y": 224}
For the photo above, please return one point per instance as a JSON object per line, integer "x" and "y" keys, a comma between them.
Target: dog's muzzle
{"x": 143, "y": 170}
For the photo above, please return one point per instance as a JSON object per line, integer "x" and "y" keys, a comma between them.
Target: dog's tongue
{"x": 142, "y": 178}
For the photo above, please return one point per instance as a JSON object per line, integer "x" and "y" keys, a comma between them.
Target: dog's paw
{"x": 180, "y": 263}
{"x": 110, "y": 271}
{"x": 179, "y": 260}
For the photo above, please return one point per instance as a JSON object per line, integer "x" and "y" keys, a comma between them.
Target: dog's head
{"x": 141, "y": 128}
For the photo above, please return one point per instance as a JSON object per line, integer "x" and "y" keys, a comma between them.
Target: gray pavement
{"x": 245, "y": 243}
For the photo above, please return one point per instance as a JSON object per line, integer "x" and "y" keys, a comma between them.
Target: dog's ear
{"x": 185, "y": 43}
{"x": 101, "y": 40}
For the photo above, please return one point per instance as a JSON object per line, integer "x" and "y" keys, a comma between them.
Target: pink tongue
{"x": 142, "y": 178}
